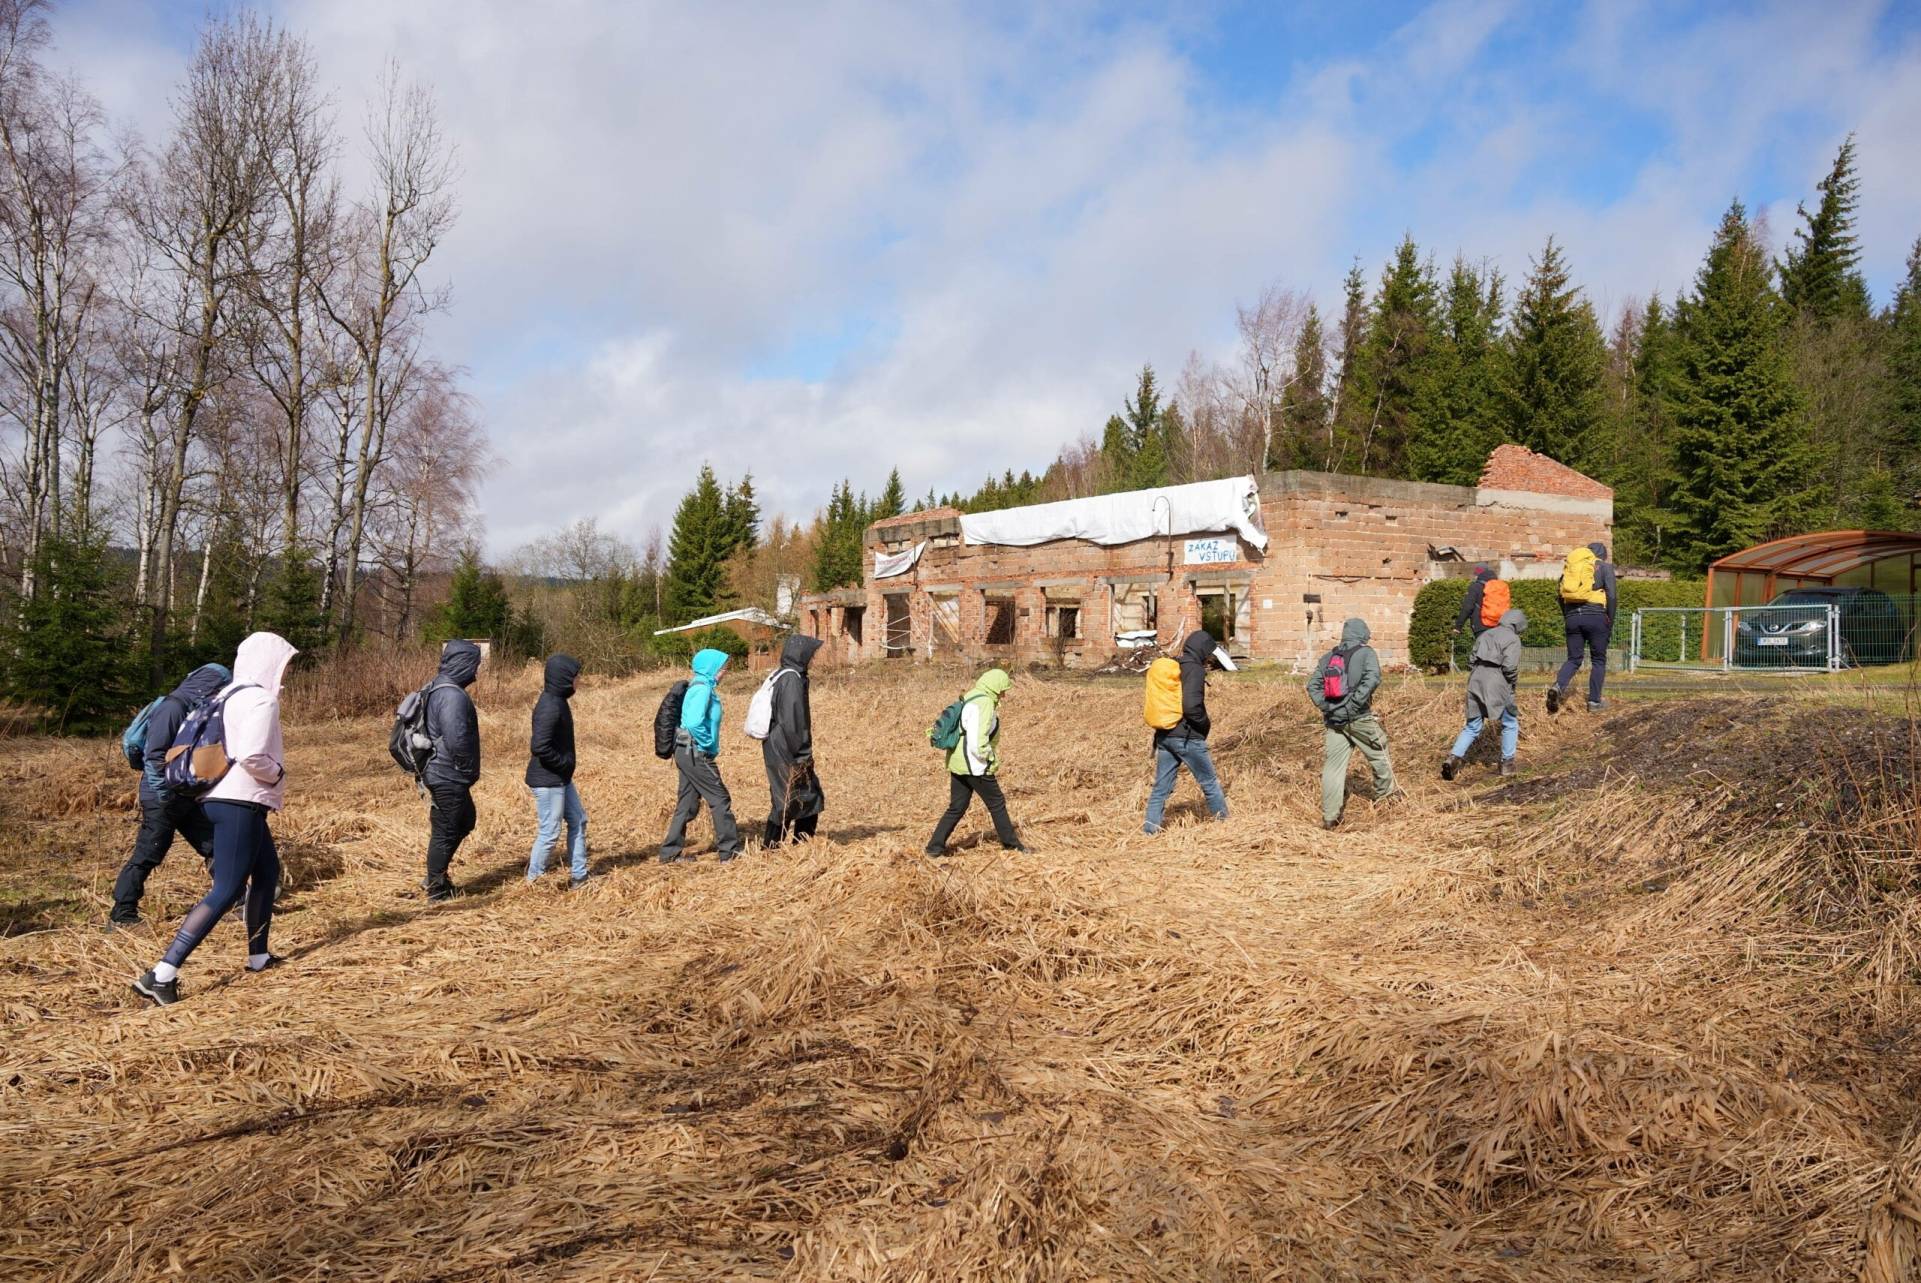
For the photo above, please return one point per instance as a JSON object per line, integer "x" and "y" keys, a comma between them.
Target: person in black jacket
{"x": 795, "y": 799}
{"x": 453, "y": 768}
{"x": 550, "y": 771}
{"x": 1589, "y": 625}
{"x": 1469, "y": 616}
{"x": 1185, "y": 744}
{"x": 162, "y": 815}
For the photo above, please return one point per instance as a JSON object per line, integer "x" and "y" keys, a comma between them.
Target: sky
{"x": 820, "y": 241}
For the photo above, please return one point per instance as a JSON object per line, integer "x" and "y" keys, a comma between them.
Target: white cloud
{"x": 1003, "y": 213}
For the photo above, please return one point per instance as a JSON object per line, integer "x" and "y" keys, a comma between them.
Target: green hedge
{"x": 1437, "y": 604}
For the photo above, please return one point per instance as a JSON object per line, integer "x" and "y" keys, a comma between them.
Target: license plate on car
{"x": 1771, "y": 641}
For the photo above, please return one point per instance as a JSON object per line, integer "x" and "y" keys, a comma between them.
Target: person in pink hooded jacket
{"x": 244, "y": 858}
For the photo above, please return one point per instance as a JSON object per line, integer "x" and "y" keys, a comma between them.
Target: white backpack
{"x": 760, "y": 710}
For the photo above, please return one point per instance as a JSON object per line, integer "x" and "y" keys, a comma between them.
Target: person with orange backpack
{"x": 1176, "y": 707}
{"x": 1588, "y": 600}
{"x": 1469, "y": 615}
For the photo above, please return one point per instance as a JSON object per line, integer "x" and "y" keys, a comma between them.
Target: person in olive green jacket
{"x": 1349, "y": 719}
{"x": 974, "y": 763}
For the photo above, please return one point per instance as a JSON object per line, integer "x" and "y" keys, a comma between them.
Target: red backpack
{"x": 1334, "y": 676}
{"x": 1495, "y": 600}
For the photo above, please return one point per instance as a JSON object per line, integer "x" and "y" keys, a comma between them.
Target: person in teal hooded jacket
{"x": 696, "y": 756}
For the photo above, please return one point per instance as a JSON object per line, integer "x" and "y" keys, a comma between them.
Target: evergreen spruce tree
{"x": 697, "y": 551}
{"x": 840, "y": 541}
{"x": 1348, "y": 421}
{"x": 73, "y": 654}
{"x": 293, "y": 601}
{"x": 1147, "y": 435}
{"x": 1643, "y": 471}
{"x": 1458, "y": 419}
{"x": 1821, "y": 278}
{"x": 477, "y": 606}
{"x": 1904, "y": 359}
{"x": 1395, "y": 359}
{"x": 1303, "y": 441}
{"x": 740, "y": 517}
{"x": 1552, "y": 396}
{"x": 1742, "y": 460}
{"x": 893, "y": 498}
{"x": 1117, "y": 452}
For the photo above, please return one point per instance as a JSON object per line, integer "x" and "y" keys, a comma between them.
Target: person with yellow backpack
{"x": 1176, "y": 707}
{"x": 1588, "y": 600}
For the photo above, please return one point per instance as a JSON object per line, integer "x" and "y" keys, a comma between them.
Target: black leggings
{"x": 244, "y": 859}
{"x": 961, "y": 790}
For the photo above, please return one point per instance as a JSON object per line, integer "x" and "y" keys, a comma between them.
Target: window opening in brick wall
{"x": 946, "y": 621}
{"x": 1000, "y": 621}
{"x": 1134, "y": 608}
{"x": 1227, "y": 614}
{"x": 850, "y": 622}
{"x": 1064, "y": 622}
{"x": 900, "y": 625}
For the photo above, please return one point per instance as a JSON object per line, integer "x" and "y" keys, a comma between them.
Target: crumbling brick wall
{"x": 1339, "y": 546}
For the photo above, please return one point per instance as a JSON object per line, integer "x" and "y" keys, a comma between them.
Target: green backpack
{"x": 945, "y": 733}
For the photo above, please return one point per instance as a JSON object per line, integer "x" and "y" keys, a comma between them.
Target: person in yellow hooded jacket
{"x": 974, "y": 763}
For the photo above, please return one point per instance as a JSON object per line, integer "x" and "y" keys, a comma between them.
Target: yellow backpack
{"x": 1577, "y": 579}
{"x": 1162, "y": 708}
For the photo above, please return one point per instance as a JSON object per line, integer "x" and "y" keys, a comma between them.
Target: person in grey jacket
{"x": 1494, "y": 671}
{"x": 453, "y": 769}
{"x": 1351, "y": 726}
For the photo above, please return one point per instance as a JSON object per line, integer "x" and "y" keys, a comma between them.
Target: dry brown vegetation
{"x": 1649, "y": 1013}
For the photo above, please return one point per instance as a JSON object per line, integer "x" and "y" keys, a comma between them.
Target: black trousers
{"x": 962, "y": 790}
{"x": 245, "y": 862}
{"x": 450, "y": 820}
{"x": 158, "y": 825}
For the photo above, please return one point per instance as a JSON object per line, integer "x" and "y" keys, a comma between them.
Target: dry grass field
{"x": 1649, "y": 1012}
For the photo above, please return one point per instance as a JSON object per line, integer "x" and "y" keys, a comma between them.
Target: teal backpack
{"x": 133, "y": 740}
{"x": 945, "y": 733}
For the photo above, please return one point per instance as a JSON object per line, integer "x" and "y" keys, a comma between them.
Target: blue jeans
{"x": 1169, "y": 757}
{"x": 551, "y": 806}
{"x": 1510, "y": 734}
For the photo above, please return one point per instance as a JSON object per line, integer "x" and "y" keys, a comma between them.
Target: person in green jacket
{"x": 974, "y": 764}
{"x": 1349, "y": 719}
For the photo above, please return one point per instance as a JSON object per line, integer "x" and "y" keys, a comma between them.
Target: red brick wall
{"x": 1339, "y": 546}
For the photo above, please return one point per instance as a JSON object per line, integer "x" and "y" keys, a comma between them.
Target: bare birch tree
{"x": 400, "y": 224}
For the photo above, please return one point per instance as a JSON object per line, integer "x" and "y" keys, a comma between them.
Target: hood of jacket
{"x": 262, "y": 661}
{"x": 1200, "y": 646}
{"x": 797, "y": 652}
{"x": 561, "y": 672}
{"x": 994, "y": 682}
{"x": 460, "y": 662}
{"x": 202, "y": 684}
{"x": 1483, "y": 573}
{"x": 1516, "y": 619}
{"x": 708, "y": 665}
{"x": 1354, "y": 633}
{"x": 1599, "y": 549}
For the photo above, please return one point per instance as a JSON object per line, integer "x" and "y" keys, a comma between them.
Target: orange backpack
{"x": 1495, "y": 600}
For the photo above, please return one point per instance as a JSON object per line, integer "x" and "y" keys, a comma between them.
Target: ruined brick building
{"x": 1069, "y": 583}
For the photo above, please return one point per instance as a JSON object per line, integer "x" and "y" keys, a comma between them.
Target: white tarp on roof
{"x": 888, "y": 565}
{"x": 749, "y": 615}
{"x": 1233, "y": 504}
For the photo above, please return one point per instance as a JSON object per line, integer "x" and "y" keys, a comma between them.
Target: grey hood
{"x": 1355, "y": 632}
{"x": 1516, "y": 619}
{"x": 460, "y": 662}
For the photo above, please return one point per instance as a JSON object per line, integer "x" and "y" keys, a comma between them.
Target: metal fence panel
{"x": 1799, "y": 637}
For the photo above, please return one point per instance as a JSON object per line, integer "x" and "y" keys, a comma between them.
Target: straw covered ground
{"x": 1647, "y": 1013}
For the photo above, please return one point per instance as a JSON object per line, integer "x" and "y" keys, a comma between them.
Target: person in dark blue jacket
{"x": 696, "y": 756}
{"x": 162, "y": 815}
{"x": 550, "y": 771}
{"x": 453, "y": 768}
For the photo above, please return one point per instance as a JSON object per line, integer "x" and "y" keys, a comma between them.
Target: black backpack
{"x": 409, "y": 743}
{"x": 667, "y": 718}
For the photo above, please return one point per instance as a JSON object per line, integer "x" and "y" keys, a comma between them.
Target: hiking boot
{"x": 1330, "y": 824}
{"x": 118, "y": 923}
{"x": 1508, "y": 767}
{"x": 1553, "y": 700}
{"x": 1451, "y": 767}
{"x": 162, "y": 995}
{"x": 574, "y": 884}
{"x": 440, "y": 895}
{"x": 1594, "y": 706}
{"x": 273, "y": 960}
